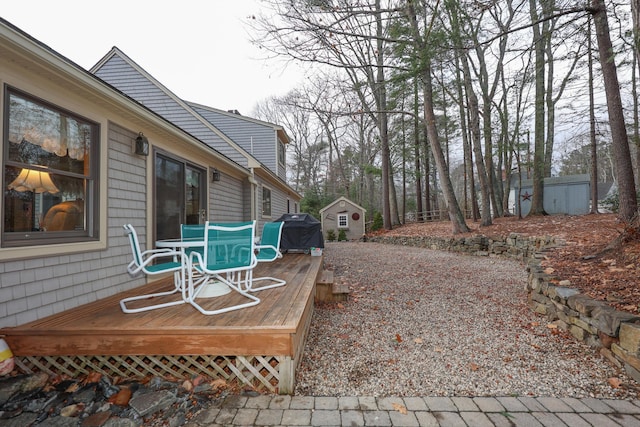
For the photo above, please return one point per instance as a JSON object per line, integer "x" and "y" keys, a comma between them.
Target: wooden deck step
{"x": 325, "y": 277}
{"x": 328, "y": 291}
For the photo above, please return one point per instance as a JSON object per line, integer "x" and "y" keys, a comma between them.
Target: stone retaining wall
{"x": 615, "y": 333}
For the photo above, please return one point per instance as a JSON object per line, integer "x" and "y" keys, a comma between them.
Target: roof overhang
{"x": 26, "y": 52}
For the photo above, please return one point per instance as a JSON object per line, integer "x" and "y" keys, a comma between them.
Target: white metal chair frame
{"x": 145, "y": 262}
{"x": 268, "y": 251}
{"x": 202, "y": 268}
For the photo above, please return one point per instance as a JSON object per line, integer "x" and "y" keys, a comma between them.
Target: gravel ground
{"x": 426, "y": 323}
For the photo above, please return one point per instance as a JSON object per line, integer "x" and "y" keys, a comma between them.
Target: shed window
{"x": 343, "y": 220}
{"x": 50, "y": 173}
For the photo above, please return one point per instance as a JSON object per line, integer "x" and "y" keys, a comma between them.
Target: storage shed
{"x": 570, "y": 194}
{"x": 343, "y": 214}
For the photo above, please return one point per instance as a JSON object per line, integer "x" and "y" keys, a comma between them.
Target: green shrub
{"x": 377, "y": 222}
{"x": 331, "y": 235}
{"x": 342, "y": 236}
{"x": 612, "y": 202}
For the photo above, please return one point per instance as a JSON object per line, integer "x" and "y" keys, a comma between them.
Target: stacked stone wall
{"x": 615, "y": 333}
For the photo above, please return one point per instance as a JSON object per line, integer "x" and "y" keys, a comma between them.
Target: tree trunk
{"x": 383, "y": 126}
{"x": 416, "y": 149}
{"x": 485, "y": 215}
{"x": 471, "y": 202}
{"x": 547, "y": 10}
{"x": 458, "y": 223}
{"x": 474, "y": 122}
{"x": 537, "y": 199}
{"x": 620, "y": 142}
{"x": 592, "y": 130}
{"x": 427, "y": 177}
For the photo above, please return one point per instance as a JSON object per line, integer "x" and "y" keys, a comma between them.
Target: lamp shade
{"x": 33, "y": 180}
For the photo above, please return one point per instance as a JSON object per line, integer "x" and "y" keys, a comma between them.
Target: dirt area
{"x": 612, "y": 275}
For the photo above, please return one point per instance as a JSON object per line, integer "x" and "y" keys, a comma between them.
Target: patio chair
{"x": 146, "y": 262}
{"x": 268, "y": 250}
{"x": 228, "y": 258}
{"x": 192, "y": 232}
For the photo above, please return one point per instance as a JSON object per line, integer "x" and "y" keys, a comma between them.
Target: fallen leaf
{"x": 400, "y": 408}
{"x": 418, "y": 340}
{"x": 398, "y": 338}
{"x": 93, "y": 377}
{"x": 121, "y": 398}
{"x": 340, "y": 306}
{"x": 615, "y": 382}
{"x": 73, "y": 388}
{"x": 474, "y": 366}
{"x": 552, "y": 326}
{"x": 71, "y": 410}
{"x": 218, "y": 384}
{"x": 187, "y": 385}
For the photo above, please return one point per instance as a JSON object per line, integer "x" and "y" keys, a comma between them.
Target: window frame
{"x": 267, "y": 207}
{"x": 282, "y": 153}
{"x": 91, "y": 231}
{"x": 344, "y": 216}
{"x": 203, "y": 189}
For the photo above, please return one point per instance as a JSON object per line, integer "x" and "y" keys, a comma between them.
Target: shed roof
{"x": 343, "y": 199}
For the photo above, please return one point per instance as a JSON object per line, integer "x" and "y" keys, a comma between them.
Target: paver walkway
{"x": 419, "y": 411}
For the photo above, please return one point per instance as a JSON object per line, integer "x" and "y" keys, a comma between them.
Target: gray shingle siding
{"x": 35, "y": 288}
{"x": 227, "y": 200}
{"x": 256, "y": 139}
{"x": 119, "y": 74}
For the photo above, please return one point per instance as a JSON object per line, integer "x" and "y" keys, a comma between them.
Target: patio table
{"x": 212, "y": 289}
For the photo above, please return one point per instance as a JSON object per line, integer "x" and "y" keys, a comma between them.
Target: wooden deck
{"x": 259, "y": 345}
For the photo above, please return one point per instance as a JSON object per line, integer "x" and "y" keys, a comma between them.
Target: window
{"x": 343, "y": 220}
{"x": 281, "y": 153}
{"x": 50, "y": 173}
{"x": 180, "y": 195}
{"x": 266, "y": 201}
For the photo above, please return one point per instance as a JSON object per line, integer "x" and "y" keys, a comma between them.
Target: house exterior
{"x": 74, "y": 141}
{"x": 254, "y": 144}
{"x": 343, "y": 214}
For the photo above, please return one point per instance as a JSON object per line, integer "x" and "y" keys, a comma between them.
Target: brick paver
{"x": 507, "y": 411}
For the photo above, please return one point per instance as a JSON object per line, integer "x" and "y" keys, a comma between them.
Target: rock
{"x": 607, "y": 340}
{"x": 630, "y": 337}
{"x": 29, "y": 400}
{"x": 608, "y": 320}
{"x": 149, "y": 403}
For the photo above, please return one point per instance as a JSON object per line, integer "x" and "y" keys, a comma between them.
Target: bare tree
{"x": 420, "y": 41}
{"x": 592, "y": 128}
{"x": 349, "y": 37}
{"x": 620, "y": 143}
{"x": 474, "y": 115}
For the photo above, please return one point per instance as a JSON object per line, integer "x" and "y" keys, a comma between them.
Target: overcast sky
{"x": 199, "y": 49}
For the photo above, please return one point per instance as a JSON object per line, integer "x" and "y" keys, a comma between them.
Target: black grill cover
{"x": 300, "y": 231}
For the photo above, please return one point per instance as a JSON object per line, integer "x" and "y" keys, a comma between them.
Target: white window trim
{"x": 346, "y": 220}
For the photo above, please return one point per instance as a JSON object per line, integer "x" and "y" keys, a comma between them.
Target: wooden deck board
{"x": 101, "y": 328}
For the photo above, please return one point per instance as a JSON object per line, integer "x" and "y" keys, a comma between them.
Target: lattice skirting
{"x": 260, "y": 372}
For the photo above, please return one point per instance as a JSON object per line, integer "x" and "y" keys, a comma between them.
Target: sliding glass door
{"x": 180, "y": 195}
